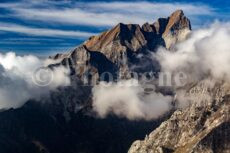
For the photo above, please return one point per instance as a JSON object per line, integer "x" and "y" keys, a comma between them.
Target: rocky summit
{"x": 125, "y": 48}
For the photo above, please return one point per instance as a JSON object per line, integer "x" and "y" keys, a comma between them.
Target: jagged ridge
{"x": 121, "y": 46}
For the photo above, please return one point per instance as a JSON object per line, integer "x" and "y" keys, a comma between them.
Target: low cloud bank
{"x": 128, "y": 99}
{"x": 25, "y": 77}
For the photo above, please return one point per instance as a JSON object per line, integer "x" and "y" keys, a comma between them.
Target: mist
{"x": 25, "y": 77}
{"x": 206, "y": 53}
{"x": 127, "y": 98}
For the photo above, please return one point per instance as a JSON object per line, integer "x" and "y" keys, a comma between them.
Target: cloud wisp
{"x": 101, "y": 13}
{"x": 43, "y": 31}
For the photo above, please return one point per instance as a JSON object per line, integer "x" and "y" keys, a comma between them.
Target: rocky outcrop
{"x": 203, "y": 127}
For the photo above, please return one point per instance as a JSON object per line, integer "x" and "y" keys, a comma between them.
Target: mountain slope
{"x": 202, "y": 127}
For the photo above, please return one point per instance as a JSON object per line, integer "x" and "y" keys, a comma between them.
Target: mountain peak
{"x": 171, "y": 29}
{"x": 122, "y": 45}
{"x": 178, "y": 19}
{"x": 120, "y": 32}
{"x": 178, "y": 25}
{"x": 177, "y": 13}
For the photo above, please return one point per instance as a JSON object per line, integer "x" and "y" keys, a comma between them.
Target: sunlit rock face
{"x": 202, "y": 127}
{"x": 126, "y": 46}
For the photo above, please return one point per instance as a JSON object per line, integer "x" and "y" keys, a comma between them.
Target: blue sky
{"x": 44, "y": 27}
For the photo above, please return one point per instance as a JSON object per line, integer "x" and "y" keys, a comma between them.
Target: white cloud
{"x": 19, "y": 82}
{"x": 102, "y": 13}
{"x": 128, "y": 99}
{"x": 42, "y": 31}
{"x": 152, "y": 8}
{"x": 205, "y": 53}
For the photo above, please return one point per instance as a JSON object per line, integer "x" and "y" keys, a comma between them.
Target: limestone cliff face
{"x": 202, "y": 127}
{"x": 120, "y": 48}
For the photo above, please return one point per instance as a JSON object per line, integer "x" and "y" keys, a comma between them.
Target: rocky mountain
{"x": 65, "y": 122}
{"x": 125, "y": 48}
